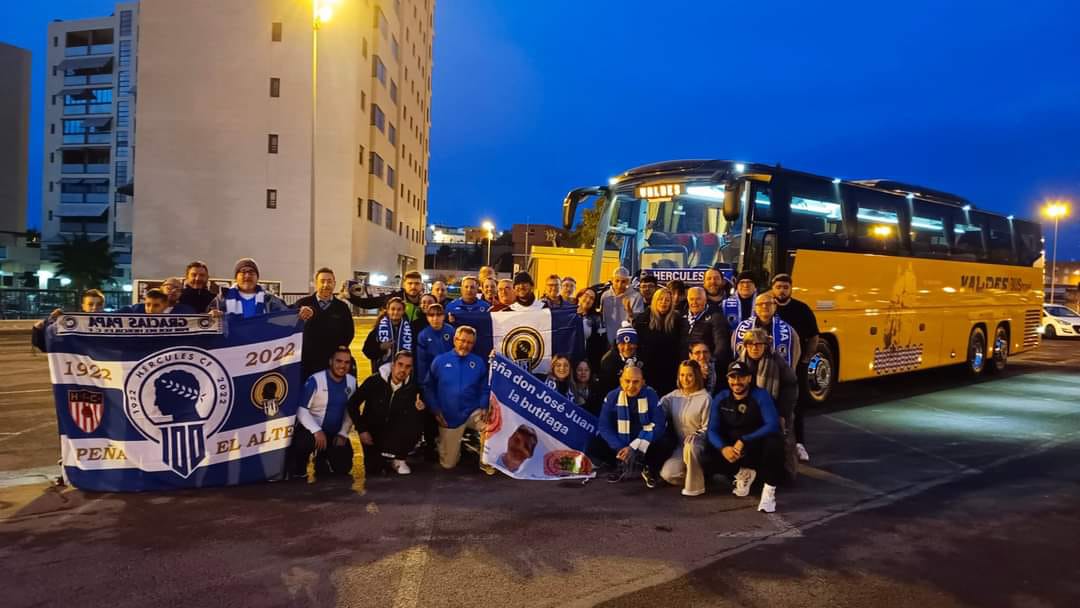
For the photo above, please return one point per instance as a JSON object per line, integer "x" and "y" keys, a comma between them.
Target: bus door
{"x": 761, "y": 250}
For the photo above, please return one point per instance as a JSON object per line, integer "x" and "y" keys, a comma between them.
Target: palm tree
{"x": 86, "y": 262}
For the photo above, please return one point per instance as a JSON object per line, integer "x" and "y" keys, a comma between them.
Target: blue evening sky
{"x": 532, "y": 99}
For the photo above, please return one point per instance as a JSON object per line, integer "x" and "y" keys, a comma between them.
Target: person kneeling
{"x": 688, "y": 409}
{"x": 391, "y": 422}
{"x": 632, "y": 426}
{"x": 322, "y": 426}
{"x": 744, "y": 426}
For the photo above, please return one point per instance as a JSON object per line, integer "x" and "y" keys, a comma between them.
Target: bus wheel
{"x": 976, "y": 351}
{"x": 1000, "y": 357}
{"x": 821, "y": 372}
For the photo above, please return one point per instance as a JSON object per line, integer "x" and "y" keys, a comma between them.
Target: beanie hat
{"x": 626, "y": 335}
{"x": 245, "y": 263}
{"x": 745, "y": 275}
{"x": 523, "y": 277}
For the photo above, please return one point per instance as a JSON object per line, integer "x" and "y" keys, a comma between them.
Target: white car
{"x": 1060, "y": 321}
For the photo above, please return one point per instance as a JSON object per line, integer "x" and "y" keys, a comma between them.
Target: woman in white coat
{"x": 687, "y": 408}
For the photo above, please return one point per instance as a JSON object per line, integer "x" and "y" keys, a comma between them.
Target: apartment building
{"x": 15, "y": 256}
{"x": 264, "y": 132}
{"x": 89, "y": 132}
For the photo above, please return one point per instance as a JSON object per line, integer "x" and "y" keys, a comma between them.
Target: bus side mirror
{"x": 570, "y": 203}
{"x": 731, "y": 201}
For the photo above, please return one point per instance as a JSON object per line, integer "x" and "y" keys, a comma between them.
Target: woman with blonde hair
{"x": 662, "y": 334}
{"x": 687, "y": 409}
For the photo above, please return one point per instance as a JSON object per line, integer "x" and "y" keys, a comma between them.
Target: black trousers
{"x": 335, "y": 459}
{"x": 766, "y": 456}
{"x": 658, "y": 452}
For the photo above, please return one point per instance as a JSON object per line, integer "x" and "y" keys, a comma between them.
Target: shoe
{"x": 800, "y": 449}
{"x": 400, "y": 466}
{"x": 768, "y": 499}
{"x": 686, "y": 492}
{"x": 617, "y": 475}
{"x": 650, "y": 479}
{"x": 743, "y": 480}
{"x": 488, "y": 469}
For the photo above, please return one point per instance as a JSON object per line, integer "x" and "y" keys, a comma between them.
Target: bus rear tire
{"x": 821, "y": 373}
{"x": 999, "y": 358}
{"x": 976, "y": 352}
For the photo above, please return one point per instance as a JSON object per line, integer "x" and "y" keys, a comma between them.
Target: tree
{"x": 584, "y": 234}
{"x": 88, "y": 263}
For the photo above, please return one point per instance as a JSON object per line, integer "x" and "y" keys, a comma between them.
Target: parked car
{"x": 1060, "y": 321}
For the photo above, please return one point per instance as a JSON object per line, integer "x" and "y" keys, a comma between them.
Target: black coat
{"x": 324, "y": 332}
{"x": 390, "y": 416}
{"x": 712, "y": 329}
{"x": 661, "y": 352}
{"x": 198, "y": 299}
{"x": 611, "y": 366}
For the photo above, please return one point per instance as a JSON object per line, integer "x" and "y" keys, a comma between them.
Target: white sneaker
{"x": 768, "y": 499}
{"x": 800, "y": 449}
{"x": 400, "y": 466}
{"x": 743, "y": 480}
{"x": 686, "y": 492}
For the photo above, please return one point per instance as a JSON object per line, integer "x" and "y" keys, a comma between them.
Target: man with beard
{"x": 716, "y": 289}
{"x": 801, "y": 318}
{"x": 410, "y": 292}
{"x": 391, "y": 420}
{"x": 525, "y": 293}
{"x": 647, "y": 286}
{"x": 194, "y": 293}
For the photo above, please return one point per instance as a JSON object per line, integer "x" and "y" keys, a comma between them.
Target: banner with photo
{"x": 528, "y": 337}
{"x": 535, "y": 433}
{"x": 156, "y": 402}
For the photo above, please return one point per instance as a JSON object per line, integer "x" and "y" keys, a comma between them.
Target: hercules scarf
{"x": 641, "y": 443}
{"x": 402, "y": 340}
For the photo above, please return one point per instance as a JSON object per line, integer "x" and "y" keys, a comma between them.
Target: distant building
{"x": 439, "y": 234}
{"x": 89, "y": 132}
{"x": 226, "y": 148}
{"x": 16, "y": 257}
{"x": 525, "y": 236}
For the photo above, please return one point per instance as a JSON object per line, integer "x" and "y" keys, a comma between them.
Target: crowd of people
{"x": 685, "y": 381}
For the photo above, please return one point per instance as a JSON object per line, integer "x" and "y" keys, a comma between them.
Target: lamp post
{"x": 1055, "y": 210}
{"x": 321, "y": 12}
{"x": 489, "y": 228}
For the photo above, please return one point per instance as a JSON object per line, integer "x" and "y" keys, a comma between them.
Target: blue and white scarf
{"x": 402, "y": 338}
{"x": 622, "y": 409}
{"x": 733, "y": 310}
{"x": 234, "y": 302}
{"x": 691, "y": 318}
{"x": 554, "y": 385}
{"x": 782, "y": 336}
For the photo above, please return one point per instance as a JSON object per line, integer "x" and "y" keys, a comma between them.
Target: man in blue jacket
{"x": 435, "y": 339}
{"x": 744, "y": 426}
{"x": 458, "y": 390}
{"x": 632, "y": 425}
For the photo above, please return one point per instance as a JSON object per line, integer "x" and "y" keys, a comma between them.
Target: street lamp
{"x": 321, "y": 12}
{"x": 1055, "y": 210}
{"x": 489, "y": 228}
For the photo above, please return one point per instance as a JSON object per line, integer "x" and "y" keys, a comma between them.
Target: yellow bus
{"x": 900, "y": 277}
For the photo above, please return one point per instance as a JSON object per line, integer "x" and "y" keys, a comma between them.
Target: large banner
{"x": 534, "y": 432}
{"x": 527, "y": 337}
{"x": 154, "y": 402}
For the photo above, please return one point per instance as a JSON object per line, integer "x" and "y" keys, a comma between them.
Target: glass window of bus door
{"x": 761, "y": 251}
{"x": 626, "y": 230}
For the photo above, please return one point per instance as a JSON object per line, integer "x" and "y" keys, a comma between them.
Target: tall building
{"x": 14, "y": 125}
{"x": 89, "y": 132}
{"x": 227, "y": 157}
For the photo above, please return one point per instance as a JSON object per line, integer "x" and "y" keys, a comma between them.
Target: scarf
{"x": 402, "y": 340}
{"x": 691, "y": 318}
{"x": 234, "y": 304}
{"x": 766, "y": 372}
{"x": 733, "y": 309}
{"x": 781, "y": 336}
{"x": 622, "y": 409}
{"x": 566, "y": 390}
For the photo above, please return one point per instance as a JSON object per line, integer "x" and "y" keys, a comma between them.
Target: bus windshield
{"x": 679, "y": 225}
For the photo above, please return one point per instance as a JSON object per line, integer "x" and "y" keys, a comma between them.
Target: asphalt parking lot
{"x": 927, "y": 489}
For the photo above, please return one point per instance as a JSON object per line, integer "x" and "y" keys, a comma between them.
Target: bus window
{"x": 967, "y": 241}
{"x": 1028, "y": 242}
{"x": 998, "y": 237}
{"x": 929, "y": 238}
{"x": 877, "y": 221}
{"x": 817, "y": 220}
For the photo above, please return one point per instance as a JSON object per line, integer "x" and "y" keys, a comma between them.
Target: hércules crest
{"x": 179, "y": 398}
{"x": 87, "y": 408}
{"x": 525, "y": 346}
{"x": 269, "y": 392}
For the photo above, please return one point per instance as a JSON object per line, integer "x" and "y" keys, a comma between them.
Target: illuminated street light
{"x": 489, "y": 228}
{"x": 1055, "y": 210}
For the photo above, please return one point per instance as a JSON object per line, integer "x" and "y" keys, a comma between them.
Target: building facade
{"x": 15, "y": 257}
{"x": 232, "y": 155}
{"x": 89, "y": 132}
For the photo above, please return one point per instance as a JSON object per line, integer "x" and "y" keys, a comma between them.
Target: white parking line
{"x": 24, "y": 431}
{"x": 29, "y": 390}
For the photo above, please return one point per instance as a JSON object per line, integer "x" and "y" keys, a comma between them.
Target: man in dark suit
{"x": 329, "y": 327}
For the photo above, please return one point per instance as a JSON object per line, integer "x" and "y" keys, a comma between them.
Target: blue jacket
{"x": 458, "y": 386}
{"x": 430, "y": 344}
{"x": 609, "y": 419}
{"x": 459, "y": 305}
{"x": 727, "y": 424}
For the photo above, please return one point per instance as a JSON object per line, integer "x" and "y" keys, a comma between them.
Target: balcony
{"x": 92, "y": 49}
{"x": 81, "y": 109}
{"x": 84, "y": 198}
{"x": 75, "y": 168}
{"x": 88, "y": 79}
{"x": 88, "y": 227}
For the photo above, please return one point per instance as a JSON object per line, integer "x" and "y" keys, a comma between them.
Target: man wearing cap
{"x": 785, "y": 340}
{"x": 801, "y": 318}
{"x": 744, "y": 426}
{"x": 621, "y": 356}
{"x": 525, "y": 293}
{"x": 469, "y": 300}
{"x": 330, "y": 326}
{"x": 631, "y": 424}
{"x": 247, "y": 299}
{"x": 740, "y": 305}
{"x": 619, "y": 303}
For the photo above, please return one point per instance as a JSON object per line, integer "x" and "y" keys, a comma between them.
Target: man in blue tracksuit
{"x": 458, "y": 390}
{"x": 435, "y": 339}
{"x": 631, "y": 426}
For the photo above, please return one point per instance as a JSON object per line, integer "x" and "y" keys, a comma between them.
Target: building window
{"x": 359, "y": 207}
{"x": 378, "y": 69}
{"x": 52, "y": 157}
{"x": 271, "y": 199}
{"x": 360, "y": 156}
{"x": 272, "y": 143}
{"x": 363, "y": 47}
{"x": 374, "y": 212}
{"x": 123, "y": 82}
{"x": 55, "y": 43}
{"x": 375, "y": 167}
{"x": 363, "y": 100}
{"x": 121, "y": 139}
{"x": 50, "y": 186}
{"x": 52, "y": 128}
{"x": 275, "y": 31}
{"x": 390, "y": 219}
{"x": 381, "y": 23}
{"x": 125, "y": 23}
{"x": 378, "y": 118}
{"x": 393, "y": 91}
{"x": 125, "y": 53}
{"x": 275, "y": 87}
{"x": 392, "y": 134}
{"x": 391, "y": 177}
{"x": 395, "y": 49}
